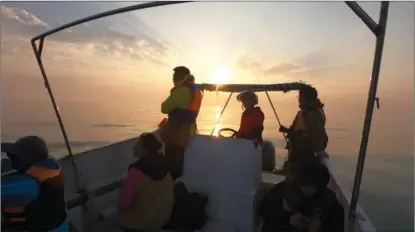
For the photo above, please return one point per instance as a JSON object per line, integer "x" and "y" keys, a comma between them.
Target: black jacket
{"x": 277, "y": 219}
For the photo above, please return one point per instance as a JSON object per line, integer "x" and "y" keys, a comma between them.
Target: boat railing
{"x": 79, "y": 199}
{"x": 343, "y": 194}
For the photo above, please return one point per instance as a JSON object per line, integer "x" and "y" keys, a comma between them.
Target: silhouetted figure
{"x": 307, "y": 135}
{"x": 146, "y": 197}
{"x": 304, "y": 203}
{"x": 33, "y": 197}
{"x": 182, "y": 107}
{"x": 252, "y": 120}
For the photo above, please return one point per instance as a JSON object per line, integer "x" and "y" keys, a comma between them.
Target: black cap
{"x": 27, "y": 151}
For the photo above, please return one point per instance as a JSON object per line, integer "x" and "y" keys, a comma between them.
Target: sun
{"x": 221, "y": 75}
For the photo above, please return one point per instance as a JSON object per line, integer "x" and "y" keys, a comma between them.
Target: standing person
{"x": 252, "y": 120}
{"x": 33, "y": 197}
{"x": 146, "y": 197}
{"x": 182, "y": 107}
{"x": 307, "y": 134}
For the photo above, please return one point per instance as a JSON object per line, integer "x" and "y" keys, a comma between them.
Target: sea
{"x": 387, "y": 190}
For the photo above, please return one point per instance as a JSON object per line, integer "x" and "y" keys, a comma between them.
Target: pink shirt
{"x": 134, "y": 177}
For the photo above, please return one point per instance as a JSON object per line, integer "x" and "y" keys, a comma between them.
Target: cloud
{"x": 82, "y": 40}
{"x": 311, "y": 65}
{"x": 248, "y": 62}
{"x": 282, "y": 68}
{"x": 21, "y": 17}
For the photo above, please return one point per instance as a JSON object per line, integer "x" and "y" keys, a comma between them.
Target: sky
{"x": 120, "y": 59}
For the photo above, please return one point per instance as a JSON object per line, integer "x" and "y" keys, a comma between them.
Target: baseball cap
{"x": 26, "y": 151}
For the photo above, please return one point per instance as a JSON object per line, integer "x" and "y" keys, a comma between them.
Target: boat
{"x": 91, "y": 187}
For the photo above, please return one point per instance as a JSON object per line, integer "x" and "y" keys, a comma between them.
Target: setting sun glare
{"x": 221, "y": 75}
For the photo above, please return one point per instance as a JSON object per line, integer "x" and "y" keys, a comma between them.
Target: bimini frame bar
{"x": 377, "y": 29}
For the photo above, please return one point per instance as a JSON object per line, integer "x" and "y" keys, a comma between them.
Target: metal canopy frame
{"x": 378, "y": 29}
{"x": 237, "y": 88}
{"x": 270, "y": 102}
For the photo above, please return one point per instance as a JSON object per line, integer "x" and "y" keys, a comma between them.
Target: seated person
{"x": 33, "y": 196}
{"x": 304, "y": 203}
{"x": 252, "y": 120}
{"x": 146, "y": 196}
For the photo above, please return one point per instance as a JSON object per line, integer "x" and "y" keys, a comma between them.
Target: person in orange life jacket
{"x": 43, "y": 207}
{"x": 307, "y": 134}
{"x": 252, "y": 120}
{"x": 182, "y": 107}
{"x": 183, "y": 104}
{"x": 146, "y": 199}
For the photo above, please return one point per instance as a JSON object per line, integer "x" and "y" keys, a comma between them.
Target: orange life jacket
{"x": 299, "y": 127}
{"x": 190, "y": 113}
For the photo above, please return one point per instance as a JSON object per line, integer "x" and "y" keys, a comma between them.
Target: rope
{"x": 226, "y": 104}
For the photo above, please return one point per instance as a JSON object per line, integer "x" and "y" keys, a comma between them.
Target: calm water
{"x": 387, "y": 192}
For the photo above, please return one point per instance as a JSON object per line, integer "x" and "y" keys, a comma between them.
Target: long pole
{"x": 82, "y": 187}
{"x": 369, "y": 110}
{"x": 276, "y": 115}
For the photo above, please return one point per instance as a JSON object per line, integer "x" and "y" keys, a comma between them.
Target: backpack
{"x": 189, "y": 210}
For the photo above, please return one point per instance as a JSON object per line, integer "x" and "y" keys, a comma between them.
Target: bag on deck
{"x": 189, "y": 210}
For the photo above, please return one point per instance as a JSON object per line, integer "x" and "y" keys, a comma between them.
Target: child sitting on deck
{"x": 146, "y": 197}
{"x": 303, "y": 203}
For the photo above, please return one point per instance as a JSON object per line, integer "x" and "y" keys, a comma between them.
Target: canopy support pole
{"x": 370, "y": 23}
{"x": 38, "y": 54}
{"x": 369, "y": 111}
{"x": 220, "y": 116}
{"x": 82, "y": 187}
{"x": 276, "y": 115}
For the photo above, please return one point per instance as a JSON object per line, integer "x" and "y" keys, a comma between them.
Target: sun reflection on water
{"x": 217, "y": 118}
